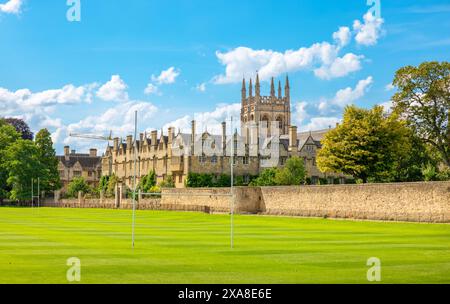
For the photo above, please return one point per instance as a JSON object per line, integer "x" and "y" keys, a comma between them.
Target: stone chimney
{"x": 154, "y": 136}
{"x": 292, "y": 138}
{"x": 93, "y": 152}
{"x": 171, "y": 133}
{"x": 129, "y": 141}
{"x": 66, "y": 150}
{"x": 72, "y": 151}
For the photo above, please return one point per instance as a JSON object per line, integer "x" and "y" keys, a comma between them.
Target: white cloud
{"x": 367, "y": 33}
{"x": 389, "y": 87}
{"x": 118, "y": 119}
{"x": 167, "y": 77}
{"x": 300, "y": 113}
{"x": 323, "y": 58}
{"x": 342, "y": 36}
{"x": 151, "y": 89}
{"x": 113, "y": 90}
{"x": 11, "y": 7}
{"x": 348, "y": 95}
{"x": 210, "y": 121}
{"x": 340, "y": 67}
{"x": 24, "y": 100}
{"x": 320, "y": 123}
{"x": 387, "y": 105}
{"x": 201, "y": 87}
{"x": 245, "y": 61}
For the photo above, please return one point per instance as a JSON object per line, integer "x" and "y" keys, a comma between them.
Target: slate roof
{"x": 85, "y": 160}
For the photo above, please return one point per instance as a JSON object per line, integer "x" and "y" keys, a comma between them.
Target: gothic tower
{"x": 263, "y": 110}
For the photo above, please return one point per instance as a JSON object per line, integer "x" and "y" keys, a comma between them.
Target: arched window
{"x": 280, "y": 122}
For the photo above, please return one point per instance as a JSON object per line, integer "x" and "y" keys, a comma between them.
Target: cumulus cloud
{"x": 323, "y": 114}
{"x": 209, "y": 121}
{"x": 24, "y": 100}
{"x": 348, "y": 95}
{"x": 324, "y": 58}
{"x": 300, "y": 112}
{"x": 151, "y": 89}
{"x": 320, "y": 123}
{"x": 118, "y": 119}
{"x": 11, "y": 7}
{"x": 340, "y": 67}
{"x": 343, "y": 36}
{"x": 168, "y": 76}
{"x": 245, "y": 61}
{"x": 113, "y": 90}
{"x": 367, "y": 33}
{"x": 201, "y": 87}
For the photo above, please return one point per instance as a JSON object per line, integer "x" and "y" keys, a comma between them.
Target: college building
{"x": 177, "y": 154}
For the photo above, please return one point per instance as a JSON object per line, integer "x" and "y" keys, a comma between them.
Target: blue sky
{"x": 90, "y": 76}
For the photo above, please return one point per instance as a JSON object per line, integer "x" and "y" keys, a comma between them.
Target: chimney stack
{"x": 72, "y": 152}
{"x": 154, "y": 136}
{"x": 93, "y": 152}
{"x": 292, "y": 138}
{"x": 129, "y": 141}
{"x": 66, "y": 150}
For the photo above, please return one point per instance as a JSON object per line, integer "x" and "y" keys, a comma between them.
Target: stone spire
{"x": 257, "y": 86}
{"x": 286, "y": 88}
{"x": 272, "y": 88}
{"x": 250, "y": 89}
{"x": 279, "y": 89}
{"x": 243, "y": 91}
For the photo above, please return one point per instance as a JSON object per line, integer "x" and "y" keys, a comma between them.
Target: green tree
{"x": 293, "y": 173}
{"x": 50, "y": 180}
{"x": 111, "y": 187}
{"x": 168, "y": 182}
{"x": 266, "y": 178}
{"x": 77, "y": 184}
{"x": 22, "y": 164}
{"x": 367, "y": 145}
{"x": 8, "y": 136}
{"x": 423, "y": 98}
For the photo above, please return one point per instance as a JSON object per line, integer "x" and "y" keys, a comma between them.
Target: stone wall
{"x": 417, "y": 202}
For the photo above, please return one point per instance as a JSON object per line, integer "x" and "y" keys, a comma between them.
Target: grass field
{"x": 175, "y": 247}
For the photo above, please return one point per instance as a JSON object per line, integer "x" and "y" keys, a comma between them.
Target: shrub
{"x": 76, "y": 185}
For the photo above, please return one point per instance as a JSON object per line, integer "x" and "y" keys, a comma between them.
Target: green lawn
{"x": 176, "y": 247}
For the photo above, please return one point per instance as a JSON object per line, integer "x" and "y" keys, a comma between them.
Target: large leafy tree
{"x": 21, "y": 127}
{"x": 22, "y": 164}
{"x": 423, "y": 98}
{"x": 367, "y": 145}
{"x": 8, "y": 136}
{"x": 50, "y": 180}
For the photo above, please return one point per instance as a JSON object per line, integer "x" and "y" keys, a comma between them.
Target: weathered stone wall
{"x": 418, "y": 202}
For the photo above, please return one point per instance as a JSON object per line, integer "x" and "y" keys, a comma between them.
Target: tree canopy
{"x": 423, "y": 98}
{"x": 21, "y": 127}
{"x": 367, "y": 145}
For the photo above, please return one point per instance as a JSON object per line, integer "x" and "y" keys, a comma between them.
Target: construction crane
{"x": 96, "y": 137}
